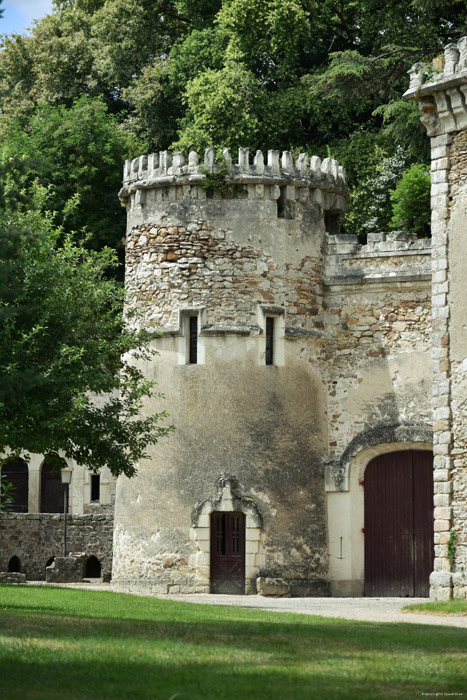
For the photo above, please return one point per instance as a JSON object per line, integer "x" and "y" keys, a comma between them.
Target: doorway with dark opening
{"x": 228, "y": 552}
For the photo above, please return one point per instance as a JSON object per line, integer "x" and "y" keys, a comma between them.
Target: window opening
{"x": 15, "y": 470}
{"x": 52, "y": 489}
{"x": 269, "y": 340}
{"x": 95, "y": 487}
{"x": 332, "y": 222}
{"x": 193, "y": 348}
{"x": 285, "y": 208}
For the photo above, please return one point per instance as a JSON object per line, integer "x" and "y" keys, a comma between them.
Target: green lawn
{"x": 62, "y": 644}
{"x": 455, "y": 606}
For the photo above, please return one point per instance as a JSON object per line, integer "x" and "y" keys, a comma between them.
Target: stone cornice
{"x": 442, "y": 100}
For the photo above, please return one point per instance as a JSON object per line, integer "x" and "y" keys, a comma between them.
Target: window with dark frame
{"x": 95, "y": 487}
{"x": 193, "y": 347}
{"x": 269, "y": 340}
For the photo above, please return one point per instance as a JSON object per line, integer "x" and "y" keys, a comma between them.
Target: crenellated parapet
{"x": 244, "y": 179}
{"x": 441, "y": 90}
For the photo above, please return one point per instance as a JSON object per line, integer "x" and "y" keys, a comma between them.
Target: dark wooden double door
{"x": 398, "y": 530}
{"x": 228, "y": 552}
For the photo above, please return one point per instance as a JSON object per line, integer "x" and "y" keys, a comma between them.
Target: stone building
{"x": 292, "y": 358}
{"x": 32, "y": 533}
{"x": 318, "y": 385}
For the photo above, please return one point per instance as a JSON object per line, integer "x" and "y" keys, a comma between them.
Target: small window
{"x": 285, "y": 208}
{"x": 193, "y": 340}
{"x": 269, "y": 340}
{"x": 332, "y": 221}
{"x": 95, "y": 487}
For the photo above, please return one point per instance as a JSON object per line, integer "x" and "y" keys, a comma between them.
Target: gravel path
{"x": 365, "y": 609}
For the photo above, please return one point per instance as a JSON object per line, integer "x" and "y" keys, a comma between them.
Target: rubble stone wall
{"x": 37, "y": 537}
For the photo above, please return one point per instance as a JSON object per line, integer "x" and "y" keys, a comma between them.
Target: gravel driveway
{"x": 367, "y": 609}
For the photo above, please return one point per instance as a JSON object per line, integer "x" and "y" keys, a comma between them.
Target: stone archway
{"x": 346, "y": 516}
{"x": 229, "y": 499}
{"x": 398, "y": 524}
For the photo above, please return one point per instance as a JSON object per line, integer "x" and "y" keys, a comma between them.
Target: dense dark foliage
{"x": 319, "y": 76}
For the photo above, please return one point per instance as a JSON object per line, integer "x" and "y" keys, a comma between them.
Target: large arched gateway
{"x": 398, "y": 526}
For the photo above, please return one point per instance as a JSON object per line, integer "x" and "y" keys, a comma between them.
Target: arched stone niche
{"x": 345, "y": 507}
{"x": 228, "y": 498}
{"x": 337, "y": 470}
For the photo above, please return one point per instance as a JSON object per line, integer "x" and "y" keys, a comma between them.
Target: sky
{"x": 17, "y": 14}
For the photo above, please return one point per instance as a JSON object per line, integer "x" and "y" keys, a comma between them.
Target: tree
{"x": 411, "y": 201}
{"x": 76, "y": 153}
{"x": 69, "y": 382}
{"x": 323, "y": 77}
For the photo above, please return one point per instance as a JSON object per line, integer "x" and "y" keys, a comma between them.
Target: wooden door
{"x": 399, "y": 548}
{"x": 228, "y": 553}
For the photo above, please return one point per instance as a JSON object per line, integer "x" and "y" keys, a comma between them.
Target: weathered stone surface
{"x": 12, "y": 577}
{"x": 36, "y": 538}
{"x": 66, "y": 569}
{"x": 275, "y": 587}
{"x": 443, "y": 111}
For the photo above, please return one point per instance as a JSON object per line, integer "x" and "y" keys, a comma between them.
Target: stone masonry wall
{"x": 458, "y": 358}
{"x": 37, "y": 537}
{"x": 378, "y": 330}
{"x": 443, "y": 111}
{"x": 197, "y": 265}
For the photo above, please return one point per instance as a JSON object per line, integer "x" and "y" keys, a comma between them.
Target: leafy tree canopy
{"x": 67, "y": 380}
{"x": 314, "y": 75}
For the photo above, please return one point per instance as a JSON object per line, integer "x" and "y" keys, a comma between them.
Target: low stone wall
{"x": 37, "y": 537}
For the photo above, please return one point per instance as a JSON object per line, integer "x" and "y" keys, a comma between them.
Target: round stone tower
{"x": 225, "y": 260}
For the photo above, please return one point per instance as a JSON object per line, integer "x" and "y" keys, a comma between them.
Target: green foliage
{"x": 452, "y": 548}
{"x": 370, "y": 208}
{"x": 411, "y": 201}
{"x": 76, "y": 153}
{"x": 222, "y": 109}
{"x": 68, "y": 379}
{"x": 301, "y": 75}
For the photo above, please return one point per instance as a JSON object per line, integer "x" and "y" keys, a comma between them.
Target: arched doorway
{"x": 15, "y": 470}
{"x": 93, "y": 567}
{"x": 52, "y": 489}
{"x": 14, "y": 565}
{"x": 398, "y": 524}
{"x": 228, "y": 552}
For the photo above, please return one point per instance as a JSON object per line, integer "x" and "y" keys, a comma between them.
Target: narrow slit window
{"x": 193, "y": 350}
{"x": 95, "y": 487}
{"x": 269, "y": 340}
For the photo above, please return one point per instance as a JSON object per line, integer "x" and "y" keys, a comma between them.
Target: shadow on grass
{"x": 65, "y": 645}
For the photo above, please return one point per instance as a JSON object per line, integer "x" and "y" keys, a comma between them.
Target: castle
{"x": 318, "y": 385}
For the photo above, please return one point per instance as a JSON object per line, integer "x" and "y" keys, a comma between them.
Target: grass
{"x": 62, "y": 644}
{"x": 455, "y": 606}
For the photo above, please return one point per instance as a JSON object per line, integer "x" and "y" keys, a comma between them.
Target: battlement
{"x": 163, "y": 169}
{"x": 452, "y": 68}
{"x": 385, "y": 258}
{"x": 441, "y": 90}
